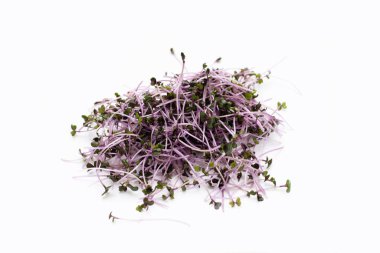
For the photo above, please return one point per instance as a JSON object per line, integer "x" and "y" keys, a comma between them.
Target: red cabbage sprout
{"x": 185, "y": 131}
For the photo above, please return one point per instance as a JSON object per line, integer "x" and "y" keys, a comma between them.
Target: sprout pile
{"x": 185, "y": 131}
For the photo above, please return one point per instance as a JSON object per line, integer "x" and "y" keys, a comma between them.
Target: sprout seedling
{"x": 186, "y": 131}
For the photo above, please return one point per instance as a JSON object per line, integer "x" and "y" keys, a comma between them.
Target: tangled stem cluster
{"x": 188, "y": 130}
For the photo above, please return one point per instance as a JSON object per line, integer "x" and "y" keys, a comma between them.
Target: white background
{"x": 58, "y": 57}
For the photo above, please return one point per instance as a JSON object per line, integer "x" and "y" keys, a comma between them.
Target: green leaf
{"x": 153, "y": 81}
{"x": 228, "y": 147}
{"x": 147, "y": 190}
{"x": 148, "y": 202}
{"x": 106, "y": 189}
{"x": 171, "y": 193}
{"x": 238, "y": 202}
{"x": 128, "y": 110}
{"x": 73, "y": 127}
{"x": 111, "y": 217}
{"x": 269, "y": 162}
{"x": 217, "y": 205}
{"x": 157, "y": 149}
{"x": 247, "y": 155}
{"x": 273, "y": 180}
{"x": 139, "y": 208}
{"x": 200, "y": 86}
{"x": 170, "y": 95}
{"x": 73, "y": 133}
{"x": 197, "y": 168}
{"x": 288, "y": 186}
{"x": 250, "y": 95}
{"x": 85, "y": 118}
{"x": 102, "y": 109}
{"x": 160, "y": 185}
{"x": 133, "y": 188}
{"x": 123, "y": 188}
{"x": 139, "y": 118}
{"x": 259, "y": 78}
{"x": 125, "y": 163}
{"x": 239, "y": 176}
{"x": 281, "y": 106}
{"x": 211, "y": 123}
{"x": 89, "y": 165}
{"x": 232, "y": 203}
{"x": 203, "y": 117}
{"x": 148, "y": 99}
{"x": 251, "y": 193}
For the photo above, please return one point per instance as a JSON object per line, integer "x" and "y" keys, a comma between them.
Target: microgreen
{"x": 187, "y": 131}
{"x": 281, "y": 106}
{"x": 218, "y": 59}
{"x": 73, "y": 130}
{"x": 288, "y": 186}
{"x": 238, "y": 202}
